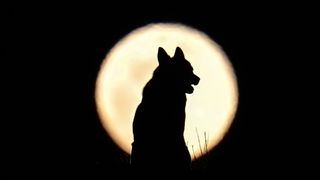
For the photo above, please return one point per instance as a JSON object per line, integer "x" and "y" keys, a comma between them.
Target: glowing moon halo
{"x": 129, "y": 65}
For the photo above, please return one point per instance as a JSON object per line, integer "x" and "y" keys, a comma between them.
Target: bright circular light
{"x": 129, "y": 65}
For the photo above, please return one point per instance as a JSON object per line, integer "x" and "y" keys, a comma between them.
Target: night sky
{"x": 51, "y": 58}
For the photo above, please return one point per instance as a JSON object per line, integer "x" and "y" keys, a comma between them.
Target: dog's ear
{"x": 163, "y": 57}
{"x": 178, "y": 54}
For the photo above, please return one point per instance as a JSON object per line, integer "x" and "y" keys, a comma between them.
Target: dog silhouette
{"x": 159, "y": 120}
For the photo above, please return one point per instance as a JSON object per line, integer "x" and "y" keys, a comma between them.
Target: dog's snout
{"x": 196, "y": 79}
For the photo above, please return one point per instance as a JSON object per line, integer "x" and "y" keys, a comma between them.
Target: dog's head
{"x": 177, "y": 70}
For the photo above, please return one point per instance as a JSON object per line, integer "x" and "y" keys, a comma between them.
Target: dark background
{"x": 52, "y": 53}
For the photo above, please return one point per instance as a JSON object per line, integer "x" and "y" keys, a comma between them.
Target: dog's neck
{"x": 164, "y": 91}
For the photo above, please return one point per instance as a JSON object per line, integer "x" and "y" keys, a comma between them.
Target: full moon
{"x": 128, "y": 66}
